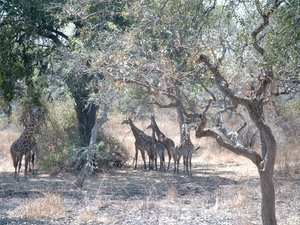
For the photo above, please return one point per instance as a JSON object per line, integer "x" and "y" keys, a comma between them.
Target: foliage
{"x": 134, "y": 101}
{"x": 27, "y": 31}
{"x": 283, "y": 40}
{"x": 58, "y": 138}
{"x": 60, "y": 148}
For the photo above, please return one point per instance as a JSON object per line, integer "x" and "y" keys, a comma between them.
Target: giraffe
{"x": 185, "y": 149}
{"x": 167, "y": 142}
{"x": 143, "y": 142}
{"x": 157, "y": 148}
{"x": 22, "y": 145}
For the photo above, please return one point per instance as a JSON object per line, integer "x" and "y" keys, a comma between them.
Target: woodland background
{"x": 79, "y": 59}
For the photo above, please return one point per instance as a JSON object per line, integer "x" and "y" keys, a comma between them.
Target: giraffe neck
{"x": 153, "y": 135}
{"x": 136, "y": 132}
{"x": 158, "y": 132}
{"x": 27, "y": 133}
{"x": 188, "y": 138}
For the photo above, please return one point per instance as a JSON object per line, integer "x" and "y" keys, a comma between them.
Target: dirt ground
{"x": 216, "y": 194}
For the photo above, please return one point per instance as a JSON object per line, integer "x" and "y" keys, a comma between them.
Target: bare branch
{"x": 237, "y": 149}
{"x": 205, "y": 88}
{"x": 265, "y": 16}
{"x": 222, "y": 83}
{"x": 171, "y": 105}
{"x": 153, "y": 90}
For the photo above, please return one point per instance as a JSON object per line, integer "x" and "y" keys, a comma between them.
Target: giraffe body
{"x": 167, "y": 142}
{"x": 185, "y": 149}
{"x": 22, "y": 146}
{"x": 157, "y": 149}
{"x": 143, "y": 143}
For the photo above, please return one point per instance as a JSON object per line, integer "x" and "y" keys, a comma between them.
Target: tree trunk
{"x": 269, "y": 149}
{"x": 180, "y": 117}
{"x": 268, "y": 198}
{"x": 92, "y": 148}
{"x": 86, "y": 116}
{"x": 264, "y": 146}
{"x": 181, "y": 121}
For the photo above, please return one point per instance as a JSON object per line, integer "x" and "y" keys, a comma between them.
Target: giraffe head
{"x": 36, "y": 111}
{"x": 126, "y": 121}
{"x": 150, "y": 126}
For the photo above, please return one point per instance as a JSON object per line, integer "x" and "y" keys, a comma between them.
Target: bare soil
{"x": 224, "y": 193}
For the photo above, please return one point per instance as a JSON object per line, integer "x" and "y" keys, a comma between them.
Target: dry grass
{"x": 233, "y": 197}
{"x": 49, "y": 206}
{"x": 288, "y": 158}
{"x": 7, "y": 137}
{"x": 210, "y": 158}
{"x": 87, "y": 215}
{"x": 172, "y": 194}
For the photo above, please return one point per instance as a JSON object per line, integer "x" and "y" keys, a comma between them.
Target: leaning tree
{"x": 222, "y": 48}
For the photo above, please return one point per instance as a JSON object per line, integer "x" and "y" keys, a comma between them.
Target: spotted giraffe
{"x": 22, "y": 146}
{"x": 185, "y": 149}
{"x": 143, "y": 142}
{"x": 157, "y": 149}
{"x": 167, "y": 142}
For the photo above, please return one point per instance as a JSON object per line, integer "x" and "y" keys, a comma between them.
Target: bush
{"x": 288, "y": 119}
{"x": 58, "y": 137}
{"x": 61, "y": 149}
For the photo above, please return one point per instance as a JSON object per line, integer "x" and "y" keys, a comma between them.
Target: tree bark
{"x": 86, "y": 116}
{"x": 91, "y": 149}
{"x": 264, "y": 164}
{"x": 180, "y": 123}
{"x": 268, "y": 198}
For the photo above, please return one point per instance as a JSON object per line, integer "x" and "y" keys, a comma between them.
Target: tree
{"x": 228, "y": 57}
{"x": 27, "y": 36}
{"x": 85, "y": 66}
{"x": 49, "y": 48}
{"x": 88, "y": 162}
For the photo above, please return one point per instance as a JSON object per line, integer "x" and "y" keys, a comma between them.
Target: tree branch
{"x": 153, "y": 90}
{"x": 87, "y": 166}
{"x": 237, "y": 149}
{"x": 265, "y": 16}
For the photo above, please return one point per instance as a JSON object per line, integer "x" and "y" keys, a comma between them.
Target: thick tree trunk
{"x": 86, "y": 116}
{"x": 268, "y": 198}
{"x": 269, "y": 148}
{"x": 92, "y": 148}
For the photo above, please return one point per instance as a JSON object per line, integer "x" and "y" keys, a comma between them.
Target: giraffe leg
{"x": 143, "y": 157}
{"x": 190, "y": 159}
{"x": 161, "y": 158}
{"x": 15, "y": 163}
{"x": 164, "y": 161}
{"x": 155, "y": 159}
{"x": 151, "y": 158}
{"x": 184, "y": 165}
{"x": 136, "y": 156}
{"x": 27, "y": 161}
{"x": 174, "y": 157}
{"x": 178, "y": 160}
{"x": 32, "y": 161}
{"x": 19, "y": 163}
{"x": 170, "y": 156}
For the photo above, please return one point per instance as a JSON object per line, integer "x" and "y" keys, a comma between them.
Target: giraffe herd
{"x": 154, "y": 147}
{"x": 160, "y": 145}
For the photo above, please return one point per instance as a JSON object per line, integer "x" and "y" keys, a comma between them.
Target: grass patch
{"x": 49, "y": 206}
